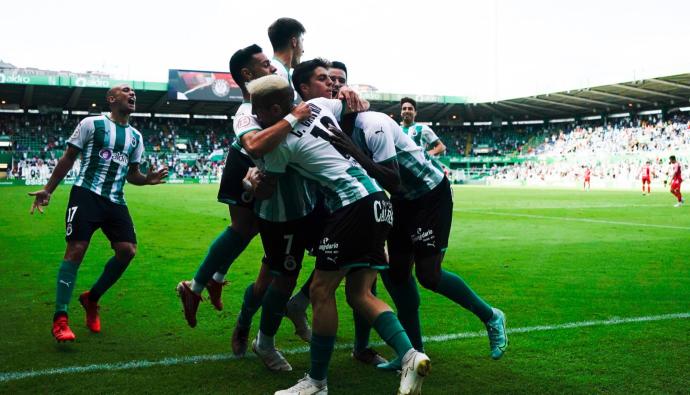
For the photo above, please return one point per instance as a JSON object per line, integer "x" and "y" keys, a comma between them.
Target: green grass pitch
{"x": 546, "y": 257}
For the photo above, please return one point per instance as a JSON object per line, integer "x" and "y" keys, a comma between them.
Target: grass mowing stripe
{"x": 12, "y": 376}
{"x": 589, "y": 220}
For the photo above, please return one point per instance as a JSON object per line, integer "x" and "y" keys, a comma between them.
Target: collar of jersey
{"x": 117, "y": 123}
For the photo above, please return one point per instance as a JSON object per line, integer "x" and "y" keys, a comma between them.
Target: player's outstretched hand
{"x": 354, "y": 101}
{"x": 42, "y": 198}
{"x": 156, "y": 177}
{"x": 301, "y": 111}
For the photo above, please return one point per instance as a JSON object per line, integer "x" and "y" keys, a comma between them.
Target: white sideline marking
{"x": 597, "y": 221}
{"x": 12, "y": 376}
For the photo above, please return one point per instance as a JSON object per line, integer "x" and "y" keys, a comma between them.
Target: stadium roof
{"x": 68, "y": 91}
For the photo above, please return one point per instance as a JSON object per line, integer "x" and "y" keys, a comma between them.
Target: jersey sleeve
{"x": 277, "y": 160}
{"x": 337, "y": 107}
{"x": 138, "y": 149}
{"x": 81, "y": 135}
{"x": 428, "y": 136}
{"x": 243, "y": 124}
{"x": 380, "y": 143}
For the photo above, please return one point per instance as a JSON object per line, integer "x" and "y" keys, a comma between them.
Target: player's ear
{"x": 293, "y": 42}
{"x": 302, "y": 88}
{"x": 246, "y": 74}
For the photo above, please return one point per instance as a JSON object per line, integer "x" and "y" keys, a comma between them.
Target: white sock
{"x": 218, "y": 277}
{"x": 265, "y": 342}
{"x": 196, "y": 287}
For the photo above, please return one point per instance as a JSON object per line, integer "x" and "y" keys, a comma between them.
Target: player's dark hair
{"x": 672, "y": 157}
{"x": 303, "y": 72}
{"x": 339, "y": 65}
{"x": 241, "y": 59}
{"x": 282, "y": 30}
{"x": 408, "y": 100}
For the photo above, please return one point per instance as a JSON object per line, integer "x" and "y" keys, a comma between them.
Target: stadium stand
{"x": 611, "y": 129}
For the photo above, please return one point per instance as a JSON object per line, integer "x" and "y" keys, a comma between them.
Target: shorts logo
{"x": 425, "y": 236}
{"x": 105, "y": 154}
{"x": 329, "y": 249}
{"x": 290, "y": 263}
{"x": 383, "y": 211}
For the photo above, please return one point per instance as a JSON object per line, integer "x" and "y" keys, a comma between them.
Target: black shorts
{"x": 231, "y": 191}
{"x": 422, "y": 225}
{"x": 285, "y": 243}
{"x": 88, "y": 211}
{"x": 355, "y": 235}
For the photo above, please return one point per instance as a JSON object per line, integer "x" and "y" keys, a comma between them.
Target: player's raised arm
{"x": 260, "y": 142}
{"x": 42, "y": 197}
{"x": 136, "y": 177}
{"x": 355, "y": 103}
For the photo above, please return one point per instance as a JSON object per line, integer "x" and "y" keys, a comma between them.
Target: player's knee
{"x": 318, "y": 293}
{"x": 354, "y": 297}
{"x": 125, "y": 252}
{"x": 75, "y": 251}
{"x": 428, "y": 278}
{"x": 284, "y": 284}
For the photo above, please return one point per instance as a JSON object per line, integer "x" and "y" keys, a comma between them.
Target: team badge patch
{"x": 243, "y": 122}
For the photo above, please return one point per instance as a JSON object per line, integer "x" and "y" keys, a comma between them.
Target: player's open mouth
{"x": 131, "y": 101}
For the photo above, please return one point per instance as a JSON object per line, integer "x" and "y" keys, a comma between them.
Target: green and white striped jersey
{"x": 294, "y": 197}
{"x": 383, "y": 140}
{"x": 244, "y": 122}
{"x": 422, "y": 135}
{"x": 307, "y": 150}
{"x": 107, "y": 149}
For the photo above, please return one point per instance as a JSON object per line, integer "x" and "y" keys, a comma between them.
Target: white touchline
{"x": 12, "y": 376}
{"x": 597, "y": 221}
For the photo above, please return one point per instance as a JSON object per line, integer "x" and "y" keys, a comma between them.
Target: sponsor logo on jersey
{"x": 383, "y": 211}
{"x": 120, "y": 158}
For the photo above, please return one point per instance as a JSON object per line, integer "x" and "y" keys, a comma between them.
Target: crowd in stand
{"x": 190, "y": 147}
{"x": 39, "y": 140}
{"x": 612, "y": 151}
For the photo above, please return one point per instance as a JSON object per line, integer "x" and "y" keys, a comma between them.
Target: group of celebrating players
{"x": 311, "y": 171}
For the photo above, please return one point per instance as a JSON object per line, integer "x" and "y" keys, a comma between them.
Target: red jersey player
{"x": 676, "y": 180}
{"x": 588, "y": 174}
{"x": 646, "y": 174}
